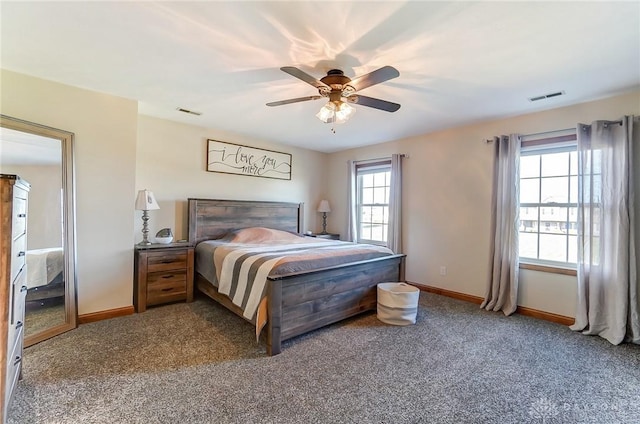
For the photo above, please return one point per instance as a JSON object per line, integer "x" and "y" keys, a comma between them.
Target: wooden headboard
{"x": 211, "y": 219}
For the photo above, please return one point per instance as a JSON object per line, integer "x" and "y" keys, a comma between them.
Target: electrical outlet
{"x": 443, "y": 270}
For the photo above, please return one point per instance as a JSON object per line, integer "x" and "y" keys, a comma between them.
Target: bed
{"x": 45, "y": 274}
{"x": 295, "y": 302}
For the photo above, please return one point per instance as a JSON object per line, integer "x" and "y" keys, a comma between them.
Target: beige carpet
{"x": 198, "y": 363}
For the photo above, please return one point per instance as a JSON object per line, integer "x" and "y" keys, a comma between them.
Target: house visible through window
{"x": 548, "y": 202}
{"x": 373, "y": 186}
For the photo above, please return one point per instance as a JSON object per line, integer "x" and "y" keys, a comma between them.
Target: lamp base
{"x": 145, "y": 229}
{"x": 324, "y": 223}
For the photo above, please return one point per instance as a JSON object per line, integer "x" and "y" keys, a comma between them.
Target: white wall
{"x": 45, "y": 203}
{"x": 447, "y": 194}
{"x": 105, "y": 148}
{"x": 171, "y": 161}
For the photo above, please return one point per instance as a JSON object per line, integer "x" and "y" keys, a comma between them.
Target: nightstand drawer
{"x": 166, "y": 261}
{"x": 160, "y": 278}
{"x": 163, "y": 287}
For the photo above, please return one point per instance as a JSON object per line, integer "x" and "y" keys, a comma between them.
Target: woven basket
{"x": 397, "y": 303}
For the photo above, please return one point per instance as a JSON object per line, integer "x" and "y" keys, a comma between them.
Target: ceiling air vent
{"x": 546, "y": 96}
{"x": 190, "y": 112}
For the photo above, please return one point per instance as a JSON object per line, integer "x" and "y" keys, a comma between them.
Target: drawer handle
{"x": 23, "y": 289}
{"x": 167, "y": 261}
{"x": 21, "y": 253}
{"x": 167, "y": 276}
{"x": 17, "y": 360}
{"x": 18, "y": 324}
{"x": 168, "y": 289}
{"x": 22, "y": 215}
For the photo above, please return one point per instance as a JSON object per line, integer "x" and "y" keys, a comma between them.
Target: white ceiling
{"x": 459, "y": 62}
{"x": 19, "y": 148}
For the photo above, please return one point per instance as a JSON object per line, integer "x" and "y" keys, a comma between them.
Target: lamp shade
{"x": 324, "y": 206}
{"x": 146, "y": 201}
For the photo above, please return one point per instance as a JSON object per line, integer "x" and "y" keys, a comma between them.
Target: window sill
{"x": 550, "y": 269}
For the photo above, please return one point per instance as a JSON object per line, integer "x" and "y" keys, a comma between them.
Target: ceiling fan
{"x": 342, "y": 90}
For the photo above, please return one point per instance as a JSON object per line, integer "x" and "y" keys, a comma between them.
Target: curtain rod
{"x": 606, "y": 124}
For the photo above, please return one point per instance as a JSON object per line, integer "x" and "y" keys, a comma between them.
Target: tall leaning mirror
{"x": 43, "y": 156}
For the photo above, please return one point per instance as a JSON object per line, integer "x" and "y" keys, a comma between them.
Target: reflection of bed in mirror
{"x": 45, "y": 275}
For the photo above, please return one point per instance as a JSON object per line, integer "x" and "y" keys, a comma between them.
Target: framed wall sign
{"x": 230, "y": 158}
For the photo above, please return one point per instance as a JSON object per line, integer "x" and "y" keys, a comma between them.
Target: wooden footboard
{"x": 302, "y": 302}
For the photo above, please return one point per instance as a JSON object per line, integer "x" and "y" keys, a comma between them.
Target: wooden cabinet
{"x": 163, "y": 274}
{"x": 329, "y": 236}
{"x": 13, "y": 283}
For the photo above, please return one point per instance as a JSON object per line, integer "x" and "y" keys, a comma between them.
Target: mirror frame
{"x": 69, "y": 223}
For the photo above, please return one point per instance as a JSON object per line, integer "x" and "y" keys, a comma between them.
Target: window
{"x": 373, "y": 187}
{"x": 548, "y": 202}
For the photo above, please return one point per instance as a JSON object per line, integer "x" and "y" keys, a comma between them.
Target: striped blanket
{"x": 242, "y": 269}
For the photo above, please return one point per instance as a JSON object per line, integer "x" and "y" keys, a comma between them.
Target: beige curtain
{"x": 352, "y": 223}
{"x": 608, "y": 303}
{"x": 502, "y": 287}
{"x": 394, "y": 233}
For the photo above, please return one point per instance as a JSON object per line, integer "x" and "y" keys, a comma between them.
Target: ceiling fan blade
{"x": 374, "y": 103}
{"x": 303, "y": 76}
{"x": 376, "y": 77}
{"x": 296, "y": 100}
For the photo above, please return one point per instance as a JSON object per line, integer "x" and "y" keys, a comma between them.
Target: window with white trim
{"x": 373, "y": 186}
{"x": 549, "y": 202}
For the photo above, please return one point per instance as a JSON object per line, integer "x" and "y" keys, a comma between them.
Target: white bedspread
{"x": 43, "y": 265}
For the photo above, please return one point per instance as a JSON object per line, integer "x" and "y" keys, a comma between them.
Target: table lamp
{"x": 145, "y": 202}
{"x": 324, "y": 208}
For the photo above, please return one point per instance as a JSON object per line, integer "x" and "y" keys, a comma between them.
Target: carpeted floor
{"x": 198, "y": 363}
{"x": 40, "y": 317}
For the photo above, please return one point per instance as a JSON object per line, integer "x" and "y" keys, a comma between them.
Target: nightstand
{"x": 325, "y": 236}
{"x": 163, "y": 273}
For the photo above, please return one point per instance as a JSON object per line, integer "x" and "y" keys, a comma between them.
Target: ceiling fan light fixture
{"x": 335, "y": 111}
{"x": 344, "y": 112}
{"x": 327, "y": 113}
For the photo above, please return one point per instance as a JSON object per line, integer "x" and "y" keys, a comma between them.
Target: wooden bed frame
{"x": 298, "y": 302}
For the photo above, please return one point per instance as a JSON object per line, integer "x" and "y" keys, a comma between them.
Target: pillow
{"x": 261, "y": 235}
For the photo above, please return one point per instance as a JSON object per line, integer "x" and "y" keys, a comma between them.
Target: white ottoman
{"x": 397, "y": 303}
